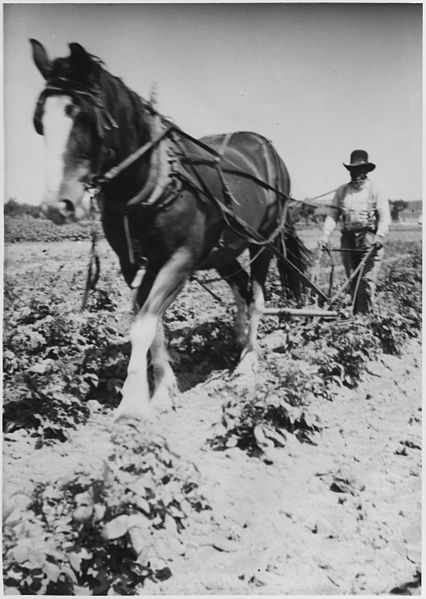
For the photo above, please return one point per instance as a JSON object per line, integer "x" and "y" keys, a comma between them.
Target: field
{"x": 301, "y": 478}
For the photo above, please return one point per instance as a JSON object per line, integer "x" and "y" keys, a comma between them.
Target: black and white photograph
{"x": 212, "y": 298}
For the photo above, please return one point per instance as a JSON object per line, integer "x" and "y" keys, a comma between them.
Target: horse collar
{"x": 157, "y": 187}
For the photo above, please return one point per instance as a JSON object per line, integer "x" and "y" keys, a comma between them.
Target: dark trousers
{"x": 363, "y": 286}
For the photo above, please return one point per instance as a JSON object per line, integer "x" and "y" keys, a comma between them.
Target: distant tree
{"x": 397, "y": 206}
{"x": 303, "y": 210}
{"x": 11, "y": 207}
{"x": 14, "y": 208}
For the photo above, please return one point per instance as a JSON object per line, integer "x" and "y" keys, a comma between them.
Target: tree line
{"x": 14, "y": 208}
{"x": 300, "y": 210}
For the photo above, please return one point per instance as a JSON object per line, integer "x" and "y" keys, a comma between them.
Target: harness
{"x": 172, "y": 169}
{"x": 175, "y": 171}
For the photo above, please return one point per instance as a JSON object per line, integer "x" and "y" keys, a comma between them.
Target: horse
{"x": 169, "y": 202}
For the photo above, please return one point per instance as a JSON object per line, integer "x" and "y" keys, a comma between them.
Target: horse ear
{"x": 81, "y": 59}
{"x": 41, "y": 59}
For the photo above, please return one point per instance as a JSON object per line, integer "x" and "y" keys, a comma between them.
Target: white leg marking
{"x": 240, "y": 323}
{"x": 165, "y": 380}
{"x": 170, "y": 279}
{"x": 135, "y": 402}
{"x": 256, "y": 310}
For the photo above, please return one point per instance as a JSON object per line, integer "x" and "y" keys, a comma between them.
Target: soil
{"x": 339, "y": 516}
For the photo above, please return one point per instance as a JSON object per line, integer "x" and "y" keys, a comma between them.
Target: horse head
{"x": 70, "y": 116}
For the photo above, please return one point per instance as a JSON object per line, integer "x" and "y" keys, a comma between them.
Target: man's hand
{"x": 379, "y": 241}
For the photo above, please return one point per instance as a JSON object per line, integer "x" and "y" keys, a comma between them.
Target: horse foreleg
{"x": 135, "y": 391}
{"x": 157, "y": 292}
{"x": 164, "y": 378}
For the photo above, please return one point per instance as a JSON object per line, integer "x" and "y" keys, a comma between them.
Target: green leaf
{"x": 262, "y": 441}
{"x": 277, "y": 437}
{"x": 83, "y": 513}
{"x": 41, "y": 367}
{"x": 115, "y": 528}
{"x": 67, "y": 572}
{"x": 138, "y": 538}
{"x": 311, "y": 420}
{"x": 231, "y": 442}
{"x": 143, "y": 505}
{"x": 22, "y": 551}
{"x": 138, "y": 487}
{"x": 52, "y": 571}
{"x": 78, "y": 590}
{"x": 99, "y": 511}
{"x": 75, "y": 561}
{"x": 176, "y": 512}
{"x": 83, "y": 499}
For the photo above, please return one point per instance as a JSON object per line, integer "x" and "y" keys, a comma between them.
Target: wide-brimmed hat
{"x": 359, "y": 158}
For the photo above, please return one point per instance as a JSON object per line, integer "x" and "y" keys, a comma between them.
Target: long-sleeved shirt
{"x": 352, "y": 207}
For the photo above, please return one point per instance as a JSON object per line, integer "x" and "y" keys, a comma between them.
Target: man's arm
{"x": 383, "y": 219}
{"x": 331, "y": 219}
{"x": 328, "y": 228}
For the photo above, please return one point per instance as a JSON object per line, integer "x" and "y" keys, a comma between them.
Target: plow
{"x": 327, "y": 309}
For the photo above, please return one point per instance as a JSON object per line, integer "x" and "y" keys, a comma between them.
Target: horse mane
{"x": 125, "y": 105}
{"x": 96, "y": 59}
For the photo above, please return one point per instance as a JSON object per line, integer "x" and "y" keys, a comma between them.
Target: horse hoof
{"x": 132, "y": 432}
{"x": 131, "y": 413}
{"x": 250, "y": 354}
{"x": 162, "y": 406}
{"x": 163, "y": 400}
{"x": 248, "y": 362}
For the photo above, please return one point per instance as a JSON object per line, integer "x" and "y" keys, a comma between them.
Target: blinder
{"x": 85, "y": 99}
{"x": 38, "y": 113}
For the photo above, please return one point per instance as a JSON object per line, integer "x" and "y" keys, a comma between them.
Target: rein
{"x": 143, "y": 199}
{"x": 119, "y": 168}
{"x": 199, "y": 186}
{"x": 170, "y": 170}
{"x": 93, "y": 269}
{"x": 62, "y": 85}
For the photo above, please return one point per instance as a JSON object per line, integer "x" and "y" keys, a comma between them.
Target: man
{"x": 365, "y": 219}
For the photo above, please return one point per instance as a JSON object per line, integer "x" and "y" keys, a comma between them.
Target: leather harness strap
{"x": 225, "y": 142}
{"x": 161, "y": 191}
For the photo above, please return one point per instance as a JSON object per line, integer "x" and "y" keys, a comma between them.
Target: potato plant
{"x": 29, "y": 228}
{"x": 281, "y": 405}
{"x": 55, "y": 360}
{"x": 102, "y": 532}
{"x": 337, "y": 352}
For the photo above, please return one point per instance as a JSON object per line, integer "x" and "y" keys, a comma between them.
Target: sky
{"x": 319, "y": 80}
